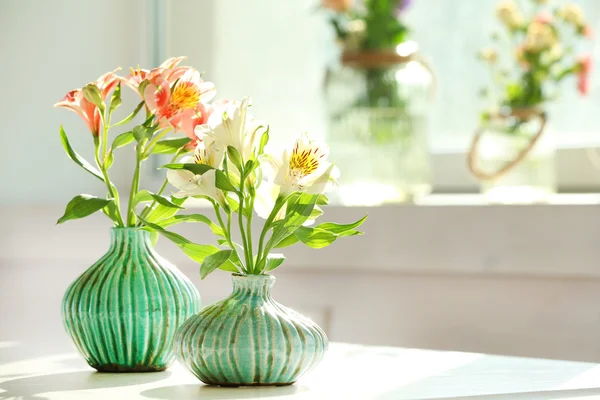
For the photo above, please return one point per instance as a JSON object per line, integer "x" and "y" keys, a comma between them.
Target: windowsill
{"x": 450, "y": 235}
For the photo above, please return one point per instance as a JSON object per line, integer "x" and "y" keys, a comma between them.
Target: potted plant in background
{"x": 248, "y": 338}
{"x": 123, "y": 311}
{"x": 377, "y": 97}
{"x": 511, "y": 153}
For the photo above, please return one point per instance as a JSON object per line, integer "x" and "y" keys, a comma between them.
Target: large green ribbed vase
{"x": 248, "y": 339}
{"x": 123, "y": 312}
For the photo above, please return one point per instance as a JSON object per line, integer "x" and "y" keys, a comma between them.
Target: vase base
{"x": 128, "y": 368}
{"x": 235, "y": 385}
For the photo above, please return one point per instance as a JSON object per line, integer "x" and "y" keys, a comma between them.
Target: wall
{"x": 49, "y": 48}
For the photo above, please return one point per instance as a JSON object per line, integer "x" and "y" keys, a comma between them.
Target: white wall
{"x": 48, "y": 48}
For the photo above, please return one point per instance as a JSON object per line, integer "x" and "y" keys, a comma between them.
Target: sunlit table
{"x": 348, "y": 372}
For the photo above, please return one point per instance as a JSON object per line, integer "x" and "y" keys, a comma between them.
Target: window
{"x": 277, "y": 52}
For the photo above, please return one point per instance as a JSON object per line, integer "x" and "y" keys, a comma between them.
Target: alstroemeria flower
{"x": 584, "y": 67}
{"x": 76, "y": 102}
{"x": 305, "y": 169}
{"x": 208, "y": 152}
{"x": 230, "y": 125}
{"x": 172, "y": 104}
{"x": 193, "y": 185}
{"x": 167, "y": 70}
{"x": 192, "y": 118}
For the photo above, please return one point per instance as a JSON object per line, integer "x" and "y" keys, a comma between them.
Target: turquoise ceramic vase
{"x": 123, "y": 312}
{"x": 248, "y": 339}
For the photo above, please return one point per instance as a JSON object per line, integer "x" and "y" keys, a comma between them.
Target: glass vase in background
{"x": 377, "y": 104}
{"x": 513, "y": 156}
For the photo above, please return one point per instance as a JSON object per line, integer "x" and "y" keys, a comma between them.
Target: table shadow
{"x": 201, "y": 391}
{"x": 32, "y": 388}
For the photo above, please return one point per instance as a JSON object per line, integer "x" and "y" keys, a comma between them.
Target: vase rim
{"x": 127, "y": 228}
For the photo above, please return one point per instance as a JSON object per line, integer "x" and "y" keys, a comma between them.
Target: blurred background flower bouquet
{"x": 515, "y": 158}
{"x": 377, "y": 95}
{"x": 544, "y": 51}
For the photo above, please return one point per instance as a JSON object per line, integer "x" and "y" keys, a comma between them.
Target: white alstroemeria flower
{"x": 190, "y": 184}
{"x": 230, "y": 125}
{"x": 304, "y": 169}
{"x": 208, "y": 152}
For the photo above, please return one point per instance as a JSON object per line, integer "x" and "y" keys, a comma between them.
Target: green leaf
{"x": 297, "y": 213}
{"x": 264, "y": 139}
{"x": 109, "y": 159}
{"x": 163, "y": 201}
{"x": 82, "y": 206}
{"x": 287, "y": 241}
{"x": 111, "y": 211}
{"x": 197, "y": 252}
{"x": 76, "y": 157}
{"x": 316, "y": 213}
{"x": 93, "y": 95}
{"x": 235, "y": 157}
{"x": 161, "y": 212}
{"x": 145, "y": 195}
{"x": 341, "y": 229}
{"x": 142, "y": 196}
{"x": 197, "y": 169}
{"x": 214, "y": 261}
{"x": 235, "y": 206}
{"x": 130, "y": 116}
{"x": 169, "y": 146}
{"x": 223, "y": 183}
{"x": 322, "y": 200}
{"x": 177, "y": 219}
{"x": 142, "y": 132}
{"x": 115, "y": 99}
{"x": 315, "y": 238}
{"x": 122, "y": 140}
{"x": 274, "y": 260}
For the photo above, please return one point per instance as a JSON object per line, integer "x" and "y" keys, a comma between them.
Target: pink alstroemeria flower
{"x": 185, "y": 100}
{"x": 583, "y": 74}
{"x": 167, "y": 70}
{"x": 76, "y": 101}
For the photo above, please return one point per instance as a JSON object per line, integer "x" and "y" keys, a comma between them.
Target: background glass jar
{"x": 513, "y": 156}
{"x": 377, "y": 104}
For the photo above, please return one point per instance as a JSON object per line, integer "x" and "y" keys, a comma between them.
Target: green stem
{"x": 110, "y": 187}
{"x": 279, "y": 203}
{"x": 249, "y": 264}
{"x": 162, "y": 188}
{"x": 135, "y": 187}
{"x": 227, "y": 231}
{"x": 249, "y": 231}
{"x": 152, "y": 142}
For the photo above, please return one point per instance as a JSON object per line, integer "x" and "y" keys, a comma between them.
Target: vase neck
{"x": 255, "y": 285}
{"x": 129, "y": 238}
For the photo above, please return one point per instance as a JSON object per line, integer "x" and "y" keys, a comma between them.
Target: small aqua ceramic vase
{"x": 248, "y": 339}
{"x": 123, "y": 312}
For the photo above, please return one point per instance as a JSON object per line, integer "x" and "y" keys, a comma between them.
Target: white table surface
{"x": 348, "y": 372}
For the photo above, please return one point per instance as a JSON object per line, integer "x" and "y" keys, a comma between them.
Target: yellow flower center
{"x": 201, "y": 157}
{"x": 184, "y": 96}
{"x": 305, "y": 162}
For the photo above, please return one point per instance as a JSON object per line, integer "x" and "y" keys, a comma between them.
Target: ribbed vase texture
{"x": 122, "y": 313}
{"x": 249, "y": 339}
